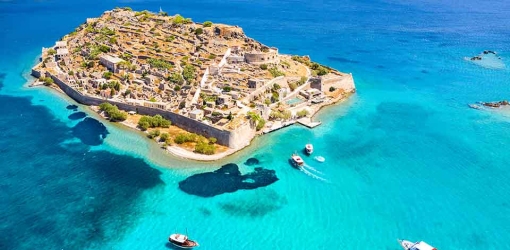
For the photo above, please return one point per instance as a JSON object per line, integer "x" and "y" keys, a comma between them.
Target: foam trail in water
{"x": 312, "y": 169}
{"x": 312, "y": 175}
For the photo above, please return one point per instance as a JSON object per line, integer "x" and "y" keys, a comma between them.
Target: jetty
{"x": 307, "y": 122}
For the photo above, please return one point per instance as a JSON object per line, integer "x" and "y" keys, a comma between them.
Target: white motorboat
{"x": 182, "y": 241}
{"x": 309, "y": 148}
{"x": 420, "y": 245}
{"x": 297, "y": 161}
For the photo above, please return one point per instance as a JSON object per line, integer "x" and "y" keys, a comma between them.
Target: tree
{"x": 263, "y": 66}
{"x": 154, "y": 133}
{"x": 48, "y": 81}
{"x": 164, "y": 137}
{"x": 205, "y": 148}
{"x": 107, "y": 74}
{"x": 188, "y": 73}
{"x": 227, "y": 88}
{"x": 261, "y": 124}
{"x": 143, "y": 125}
{"x": 286, "y": 115}
{"x": 292, "y": 86}
{"x": 230, "y": 117}
{"x": 176, "y": 78}
{"x": 212, "y": 140}
{"x": 302, "y": 113}
{"x": 52, "y": 52}
{"x": 113, "y": 112}
{"x": 199, "y": 31}
{"x": 208, "y": 24}
{"x": 331, "y": 89}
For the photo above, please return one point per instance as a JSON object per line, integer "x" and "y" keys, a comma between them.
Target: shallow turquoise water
{"x": 405, "y": 156}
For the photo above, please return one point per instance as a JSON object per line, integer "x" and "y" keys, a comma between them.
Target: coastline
{"x": 182, "y": 153}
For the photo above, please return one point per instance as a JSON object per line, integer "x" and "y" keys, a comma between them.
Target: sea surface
{"x": 405, "y": 156}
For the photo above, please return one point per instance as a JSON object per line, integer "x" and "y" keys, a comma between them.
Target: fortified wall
{"x": 259, "y": 57}
{"x": 237, "y": 138}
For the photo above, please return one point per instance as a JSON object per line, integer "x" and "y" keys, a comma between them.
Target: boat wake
{"x": 305, "y": 169}
{"x": 312, "y": 169}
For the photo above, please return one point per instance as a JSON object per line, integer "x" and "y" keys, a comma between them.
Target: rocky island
{"x": 203, "y": 90}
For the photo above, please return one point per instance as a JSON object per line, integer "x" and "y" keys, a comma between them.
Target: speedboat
{"x": 420, "y": 245}
{"x": 297, "y": 161}
{"x": 182, "y": 241}
{"x": 309, "y": 148}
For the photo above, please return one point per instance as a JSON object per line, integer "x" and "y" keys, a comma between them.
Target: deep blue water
{"x": 405, "y": 156}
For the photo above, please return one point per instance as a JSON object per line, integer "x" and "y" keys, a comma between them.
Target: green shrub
{"x": 199, "y": 31}
{"x": 189, "y": 73}
{"x": 146, "y": 122}
{"x": 154, "y": 133}
{"x": 205, "y": 148}
{"x": 302, "y": 113}
{"x": 52, "y": 52}
{"x": 208, "y": 24}
{"x": 113, "y": 112}
{"x": 164, "y": 137}
{"x": 107, "y": 74}
{"x": 275, "y": 72}
{"x": 292, "y": 86}
{"x": 160, "y": 64}
{"x": 48, "y": 81}
{"x": 263, "y": 66}
{"x": 331, "y": 89}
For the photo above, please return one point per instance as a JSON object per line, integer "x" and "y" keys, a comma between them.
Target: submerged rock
{"x": 495, "y": 104}
{"x": 77, "y": 116}
{"x": 488, "y": 59}
{"x": 90, "y": 131}
{"x": 252, "y": 161}
{"x": 71, "y": 107}
{"x": 227, "y": 179}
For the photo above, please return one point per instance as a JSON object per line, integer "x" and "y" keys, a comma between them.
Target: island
{"x": 202, "y": 90}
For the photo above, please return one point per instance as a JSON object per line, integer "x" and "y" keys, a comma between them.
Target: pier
{"x": 307, "y": 122}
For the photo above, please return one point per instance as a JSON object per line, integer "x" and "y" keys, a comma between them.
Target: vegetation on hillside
{"x": 113, "y": 112}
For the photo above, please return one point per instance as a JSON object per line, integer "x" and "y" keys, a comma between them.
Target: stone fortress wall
{"x": 237, "y": 138}
{"x": 259, "y": 57}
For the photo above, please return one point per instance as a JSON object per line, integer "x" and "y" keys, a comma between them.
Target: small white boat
{"x": 319, "y": 158}
{"x": 420, "y": 245}
{"x": 309, "y": 148}
{"x": 297, "y": 161}
{"x": 182, "y": 241}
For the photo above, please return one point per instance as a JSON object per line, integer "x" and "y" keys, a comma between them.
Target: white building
{"x": 196, "y": 114}
{"x": 158, "y": 105}
{"x": 110, "y": 62}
